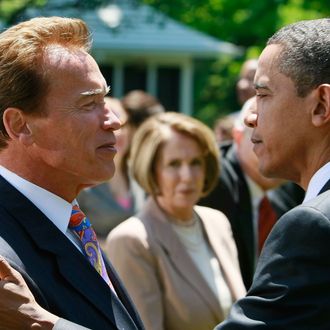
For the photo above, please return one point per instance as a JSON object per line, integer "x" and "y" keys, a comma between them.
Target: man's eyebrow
{"x": 96, "y": 91}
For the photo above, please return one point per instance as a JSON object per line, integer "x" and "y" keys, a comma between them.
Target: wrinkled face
{"x": 281, "y": 121}
{"x": 75, "y": 142}
{"x": 180, "y": 174}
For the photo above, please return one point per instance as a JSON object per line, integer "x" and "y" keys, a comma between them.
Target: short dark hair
{"x": 305, "y": 55}
{"x": 139, "y": 106}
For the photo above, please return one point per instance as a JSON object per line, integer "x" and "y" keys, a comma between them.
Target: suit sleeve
{"x": 128, "y": 250}
{"x": 62, "y": 324}
{"x": 291, "y": 287}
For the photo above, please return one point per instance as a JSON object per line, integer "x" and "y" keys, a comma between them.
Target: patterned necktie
{"x": 266, "y": 220}
{"x": 81, "y": 226}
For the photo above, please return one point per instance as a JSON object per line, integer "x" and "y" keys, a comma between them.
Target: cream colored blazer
{"x": 168, "y": 290}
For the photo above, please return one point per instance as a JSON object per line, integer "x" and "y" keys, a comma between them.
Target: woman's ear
{"x": 321, "y": 113}
{"x": 16, "y": 125}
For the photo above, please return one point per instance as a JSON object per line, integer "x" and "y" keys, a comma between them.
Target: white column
{"x": 152, "y": 78}
{"x": 186, "y": 88}
{"x": 117, "y": 85}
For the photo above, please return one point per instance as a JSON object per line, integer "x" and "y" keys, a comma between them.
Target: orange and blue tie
{"x": 81, "y": 226}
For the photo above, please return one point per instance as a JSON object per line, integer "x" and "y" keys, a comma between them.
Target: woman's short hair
{"x": 154, "y": 133}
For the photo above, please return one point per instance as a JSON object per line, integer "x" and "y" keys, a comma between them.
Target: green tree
{"x": 10, "y": 10}
{"x": 246, "y": 23}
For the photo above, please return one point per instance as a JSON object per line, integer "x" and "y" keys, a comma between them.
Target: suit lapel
{"x": 124, "y": 301}
{"x": 225, "y": 260}
{"x": 70, "y": 261}
{"x": 166, "y": 237}
{"x": 243, "y": 209}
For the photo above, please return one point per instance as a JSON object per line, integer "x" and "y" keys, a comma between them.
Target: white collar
{"x": 319, "y": 179}
{"x": 55, "y": 208}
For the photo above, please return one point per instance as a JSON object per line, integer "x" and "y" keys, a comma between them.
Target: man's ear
{"x": 16, "y": 125}
{"x": 321, "y": 113}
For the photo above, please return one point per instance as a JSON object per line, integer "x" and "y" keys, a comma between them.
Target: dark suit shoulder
{"x": 321, "y": 203}
{"x": 291, "y": 287}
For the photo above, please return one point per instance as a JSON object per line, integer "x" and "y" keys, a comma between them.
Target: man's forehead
{"x": 269, "y": 58}
{"x": 268, "y": 64}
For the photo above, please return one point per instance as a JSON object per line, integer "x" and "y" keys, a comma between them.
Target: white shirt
{"x": 205, "y": 260}
{"x": 256, "y": 194}
{"x": 55, "y": 208}
{"x": 318, "y": 180}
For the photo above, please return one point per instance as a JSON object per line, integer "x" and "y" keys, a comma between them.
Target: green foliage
{"x": 246, "y": 23}
{"x": 215, "y": 80}
{"x": 11, "y": 9}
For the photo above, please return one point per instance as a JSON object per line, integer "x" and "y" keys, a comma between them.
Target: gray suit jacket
{"x": 291, "y": 287}
{"x": 163, "y": 281}
{"x": 59, "y": 276}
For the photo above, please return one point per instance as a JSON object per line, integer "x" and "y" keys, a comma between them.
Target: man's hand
{"x": 18, "y": 308}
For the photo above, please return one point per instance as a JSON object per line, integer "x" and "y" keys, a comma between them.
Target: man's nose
{"x": 250, "y": 119}
{"x": 111, "y": 120}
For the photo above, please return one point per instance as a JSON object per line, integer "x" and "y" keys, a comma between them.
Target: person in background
{"x": 241, "y": 194}
{"x": 291, "y": 137}
{"x": 244, "y": 86}
{"x": 223, "y": 129}
{"x": 57, "y": 138}
{"x": 177, "y": 260}
{"x": 139, "y": 106}
{"x": 111, "y": 202}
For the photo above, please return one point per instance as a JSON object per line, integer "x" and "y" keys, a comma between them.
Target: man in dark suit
{"x": 291, "y": 136}
{"x": 240, "y": 189}
{"x": 57, "y": 137}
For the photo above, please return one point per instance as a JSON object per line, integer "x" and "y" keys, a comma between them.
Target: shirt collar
{"x": 55, "y": 208}
{"x": 255, "y": 190}
{"x": 319, "y": 179}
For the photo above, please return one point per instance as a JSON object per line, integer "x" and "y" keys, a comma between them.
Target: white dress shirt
{"x": 55, "y": 208}
{"x": 205, "y": 260}
{"x": 318, "y": 180}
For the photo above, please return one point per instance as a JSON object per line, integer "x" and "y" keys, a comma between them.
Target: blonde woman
{"x": 177, "y": 260}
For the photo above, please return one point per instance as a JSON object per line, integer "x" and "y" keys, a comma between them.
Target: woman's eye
{"x": 197, "y": 162}
{"x": 174, "y": 163}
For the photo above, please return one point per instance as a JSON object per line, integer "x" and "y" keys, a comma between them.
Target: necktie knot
{"x": 78, "y": 220}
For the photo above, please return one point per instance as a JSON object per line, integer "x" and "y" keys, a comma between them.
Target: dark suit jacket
{"x": 291, "y": 287}
{"x": 232, "y": 197}
{"x": 59, "y": 276}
